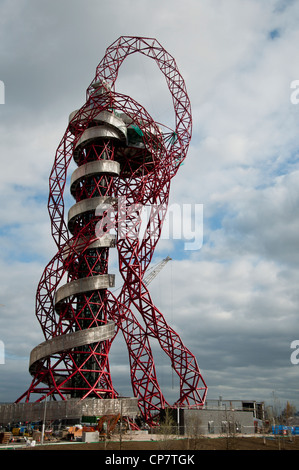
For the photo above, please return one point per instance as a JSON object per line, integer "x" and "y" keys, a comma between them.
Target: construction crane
{"x": 156, "y": 270}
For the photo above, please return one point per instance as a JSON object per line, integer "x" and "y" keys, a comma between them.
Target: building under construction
{"x": 125, "y": 161}
{"x": 216, "y": 417}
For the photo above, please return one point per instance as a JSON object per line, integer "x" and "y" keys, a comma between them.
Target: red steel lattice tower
{"x": 125, "y": 161}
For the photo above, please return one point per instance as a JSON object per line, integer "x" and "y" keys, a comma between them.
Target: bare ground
{"x": 203, "y": 443}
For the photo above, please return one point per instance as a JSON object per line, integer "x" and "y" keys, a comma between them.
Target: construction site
{"x": 125, "y": 161}
{"x": 117, "y": 425}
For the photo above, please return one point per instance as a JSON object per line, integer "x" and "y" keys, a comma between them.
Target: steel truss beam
{"x": 125, "y": 161}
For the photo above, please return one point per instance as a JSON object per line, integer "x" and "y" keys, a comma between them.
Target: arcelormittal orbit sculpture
{"x": 125, "y": 162}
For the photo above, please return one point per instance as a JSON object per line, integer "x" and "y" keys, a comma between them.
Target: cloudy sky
{"x": 234, "y": 300}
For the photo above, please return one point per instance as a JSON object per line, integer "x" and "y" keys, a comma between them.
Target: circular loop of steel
{"x": 107, "y": 72}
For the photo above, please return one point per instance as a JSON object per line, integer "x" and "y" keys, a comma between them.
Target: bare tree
{"x": 167, "y": 428}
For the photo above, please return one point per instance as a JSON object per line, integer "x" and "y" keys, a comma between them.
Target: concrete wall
{"x": 72, "y": 409}
{"x": 90, "y": 437}
{"x": 196, "y": 422}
